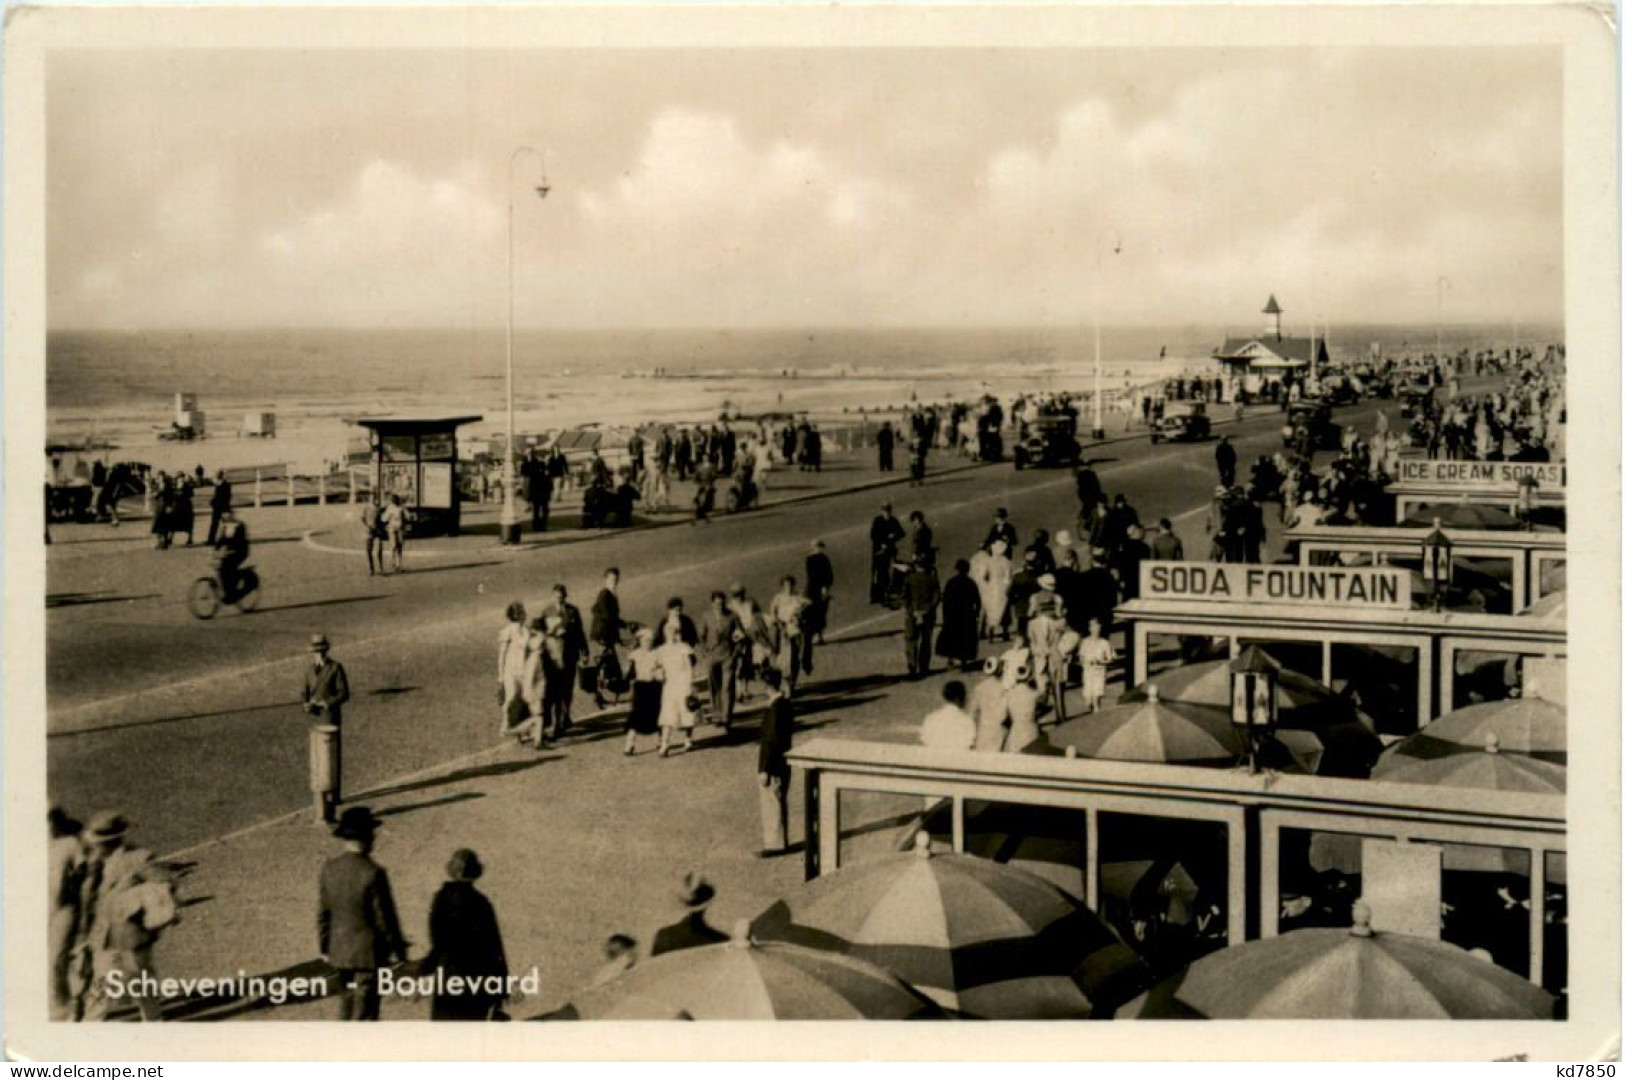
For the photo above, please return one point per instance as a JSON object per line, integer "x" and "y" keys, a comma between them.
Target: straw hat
{"x": 318, "y": 643}
{"x": 107, "y": 825}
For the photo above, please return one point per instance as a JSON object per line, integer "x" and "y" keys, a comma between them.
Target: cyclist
{"x": 231, "y": 546}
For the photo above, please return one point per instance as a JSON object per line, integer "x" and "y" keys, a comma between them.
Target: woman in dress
{"x": 533, "y": 685}
{"x": 1021, "y": 699}
{"x": 676, "y": 661}
{"x": 991, "y": 571}
{"x": 1096, "y": 654}
{"x": 511, "y": 648}
{"x": 989, "y": 709}
{"x": 961, "y": 617}
{"x": 644, "y": 667}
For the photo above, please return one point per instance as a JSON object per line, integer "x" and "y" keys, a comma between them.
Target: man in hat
{"x": 1023, "y": 584}
{"x": 573, "y": 634}
{"x": 884, "y": 534}
{"x": 1126, "y": 562}
{"x": 123, "y": 898}
{"x": 1001, "y": 530}
{"x": 327, "y": 688}
{"x": 357, "y": 929}
{"x": 691, "y": 931}
{"x": 921, "y": 594}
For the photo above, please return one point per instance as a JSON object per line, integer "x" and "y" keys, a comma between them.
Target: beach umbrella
{"x": 1151, "y": 730}
{"x": 1553, "y": 605}
{"x": 1324, "y": 732}
{"x": 744, "y": 979}
{"x": 1487, "y": 768}
{"x": 1524, "y": 725}
{"x": 1343, "y": 974}
{"x": 1462, "y": 515}
{"x": 977, "y": 937}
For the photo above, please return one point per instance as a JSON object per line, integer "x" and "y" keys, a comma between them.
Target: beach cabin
{"x": 415, "y": 456}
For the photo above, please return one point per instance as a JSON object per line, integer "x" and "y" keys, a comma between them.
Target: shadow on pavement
{"x": 155, "y": 721}
{"x": 499, "y": 768}
{"x": 407, "y": 808}
{"x": 325, "y": 603}
{"x": 77, "y": 599}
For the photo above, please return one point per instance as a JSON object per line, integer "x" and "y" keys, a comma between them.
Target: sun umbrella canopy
{"x": 1338, "y": 974}
{"x": 1462, "y": 515}
{"x": 1488, "y": 768}
{"x": 1551, "y": 606}
{"x": 1321, "y": 729}
{"x": 1527, "y": 725}
{"x": 974, "y": 935}
{"x": 1152, "y": 730}
{"x": 748, "y": 980}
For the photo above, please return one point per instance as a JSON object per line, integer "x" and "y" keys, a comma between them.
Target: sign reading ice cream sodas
{"x": 1550, "y": 474}
{"x": 1239, "y": 583}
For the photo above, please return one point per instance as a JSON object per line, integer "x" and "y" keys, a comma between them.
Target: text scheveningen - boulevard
{"x": 1237, "y": 583}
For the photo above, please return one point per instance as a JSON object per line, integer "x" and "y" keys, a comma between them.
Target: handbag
{"x": 517, "y": 711}
{"x": 588, "y": 677}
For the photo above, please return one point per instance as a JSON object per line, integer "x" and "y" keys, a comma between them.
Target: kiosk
{"x": 1429, "y": 482}
{"x": 1337, "y": 625}
{"x": 1532, "y": 557}
{"x": 415, "y": 457}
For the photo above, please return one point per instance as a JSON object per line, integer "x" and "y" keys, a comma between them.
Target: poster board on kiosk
{"x": 415, "y": 458}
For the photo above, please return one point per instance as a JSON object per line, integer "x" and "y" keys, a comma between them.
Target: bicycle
{"x": 207, "y": 594}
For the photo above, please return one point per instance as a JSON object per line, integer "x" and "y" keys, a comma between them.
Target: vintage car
{"x": 1050, "y": 439}
{"x": 1412, "y": 398}
{"x": 1182, "y": 420}
{"x": 1312, "y": 427}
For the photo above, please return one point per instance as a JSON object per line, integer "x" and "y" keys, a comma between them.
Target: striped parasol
{"x": 1526, "y": 725}
{"x": 749, "y": 980}
{"x": 1343, "y": 974}
{"x": 1151, "y": 730}
{"x": 1488, "y": 768}
{"x": 977, "y": 937}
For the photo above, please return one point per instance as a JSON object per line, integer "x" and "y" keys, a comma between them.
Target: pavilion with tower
{"x": 1253, "y": 362}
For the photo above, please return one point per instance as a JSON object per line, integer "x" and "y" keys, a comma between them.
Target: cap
{"x": 318, "y": 643}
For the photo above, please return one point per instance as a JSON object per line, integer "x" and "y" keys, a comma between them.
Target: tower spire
{"x": 1273, "y": 310}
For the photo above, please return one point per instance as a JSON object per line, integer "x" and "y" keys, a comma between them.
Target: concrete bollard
{"x": 326, "y": 749}
{"x": 259, "y": 494}
{"x": 349, "y": 475}
{"x": 290, "y": 487}
{"x": 321, "y": 490}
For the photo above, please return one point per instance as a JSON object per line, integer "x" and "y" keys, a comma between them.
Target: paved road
{"x": 193, "y": 727}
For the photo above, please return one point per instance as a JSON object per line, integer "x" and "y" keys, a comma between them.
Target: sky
{"x": 214, "y": 189}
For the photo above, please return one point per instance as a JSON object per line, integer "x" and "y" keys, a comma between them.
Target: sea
{"x": 121, "y": 386}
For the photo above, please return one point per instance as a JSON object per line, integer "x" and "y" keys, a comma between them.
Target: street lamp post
{"x": 1099, "y": 429}
{"x": 510, "y": 506}
{"x": 1253, "y": 701}
{"x": 1438, "y": 318}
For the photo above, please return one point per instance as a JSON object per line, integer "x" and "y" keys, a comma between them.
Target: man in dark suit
{"x": 574, "y": 634}
{"x": 885, "y": 444}
{"x": 921, "y": 593}
{"x": 773, "y": 766}
{"x": 357, "y": 929}
{"x": 884, "y": 534}
{"x": 327, "y": 688}
{"x": 691, "y": 931}
{"x": 820, "y": 586}
{"x": 538, "y": 490}
{"x": 219, "y": 501}
{"x": 605, "y": 631}
{"x": 1001, "y": 530}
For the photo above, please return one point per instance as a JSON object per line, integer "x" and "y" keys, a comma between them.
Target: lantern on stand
{"x": 1436, "y": 563}
{"x": 1253, "y": 702}
{"x": 1528, "y": 500}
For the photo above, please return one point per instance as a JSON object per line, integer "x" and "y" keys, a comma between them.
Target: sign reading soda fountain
{"x": 1481, "y": 473}
{"x": 1242, "y": 583}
